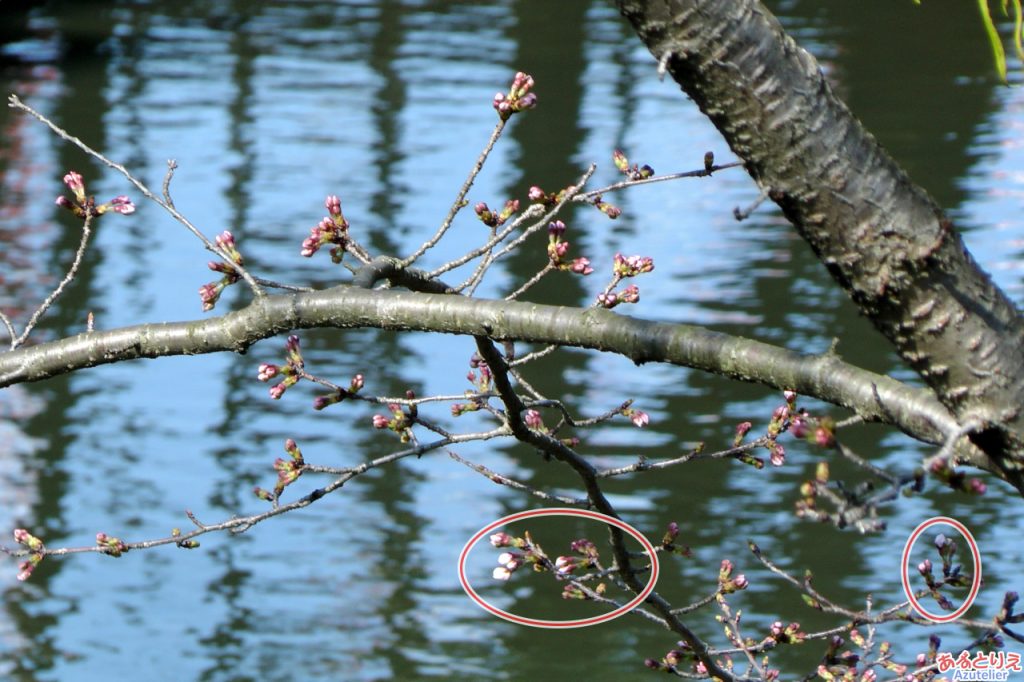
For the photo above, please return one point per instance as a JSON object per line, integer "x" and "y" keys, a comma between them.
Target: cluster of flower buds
{"x": 332, "y": 229}
{"x": 817, "y": 431}
{"x": 585, "y": 555}
{"x": 842, "y": 665}
{"x": 210, "y": 293}
{"x": 539, "y": 196}
{"x": 291, "y": 372}
{"x": 481, "y": 384}
{"x": 786, "y": 417}
{"x": 558, "y": 250}
{"x": 492, "y": 219}
{"x": 727, "y": 583}
{"x": 84, "y": 205}
{"x": 636, "y": 172}
{"x": 509, "y": 562}
{"x": 942, "y": 469}
{"x": 519, "y": 97}
{"x": 110, "y": 545}
{"x": 35, "y": 545}
{"x": 622, "y": 267}
{"x": 951, "y": 572}
{"x": 640, "y": 419}
{"x": 288, "y": 471}
{"x": 674, "y": 660}
{"x": 631, "y": 266}
{"x": 400, "y": 422}
{"x": 610, "y": 299}
{"x": 337, "y": 395}
{"x": 587, "y": 550}
{"x": 786, "y": 634}
{"x": 533, "y": 420}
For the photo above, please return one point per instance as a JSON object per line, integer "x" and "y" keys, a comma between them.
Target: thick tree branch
{"x": 881, "y": 236}
{"x": 873, "y": 397}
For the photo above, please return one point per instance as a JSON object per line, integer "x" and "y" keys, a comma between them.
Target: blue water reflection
{"x": 267, "y": 108}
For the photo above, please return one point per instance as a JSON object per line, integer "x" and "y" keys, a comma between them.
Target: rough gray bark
{"x": 880, "y": 236}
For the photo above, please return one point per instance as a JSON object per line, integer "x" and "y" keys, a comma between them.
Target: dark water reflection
{"x": 267, "y": 107}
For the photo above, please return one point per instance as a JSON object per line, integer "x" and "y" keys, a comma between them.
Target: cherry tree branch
{"x": 873, "y": 397}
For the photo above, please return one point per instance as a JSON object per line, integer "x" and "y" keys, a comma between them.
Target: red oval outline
{"x": 905, "y": 569}
{"x": 541, "y": 623}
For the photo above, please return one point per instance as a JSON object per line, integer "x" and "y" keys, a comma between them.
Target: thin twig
{"x": 504, "y": 480}
{"x": 55, "y": 294}
{"x": 460, "y": 199}
{"x": 644, "y": 464}
{"x": 10, "y": 327}
{"x": 702, "y": 173}
{"x": 172, "y": 166}
{"x": 533, "y": 211}
{"x": 16, "y": 103}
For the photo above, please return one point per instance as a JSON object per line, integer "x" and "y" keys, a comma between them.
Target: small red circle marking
{"x": 905, "y": 568}
{"x": 559, "y": 511}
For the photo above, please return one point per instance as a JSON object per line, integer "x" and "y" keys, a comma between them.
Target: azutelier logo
{"x": 992, "y": 665}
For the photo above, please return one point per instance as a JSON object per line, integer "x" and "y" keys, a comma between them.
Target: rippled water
{"x": 267, "y": 107}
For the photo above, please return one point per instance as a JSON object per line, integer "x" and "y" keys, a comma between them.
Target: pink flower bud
{"x": 333, "y": 205}
{"x": 225, "y": 239}
{"x": 500, "y": 540}
{"x": 533, "y": 419}
{"x": 778, "y": 456}
{"x": 611, "y": 211}
{"x": 380, "y": 421}
{"x": 620, "y": 161}
{"x": 630, "y": 294}
{"x": 581, "y": 266}
{"x": 74, "y": 182}
{"x": 122, "y": 204}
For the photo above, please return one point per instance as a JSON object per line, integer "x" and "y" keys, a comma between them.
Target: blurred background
{"x": 268, "y": 107}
